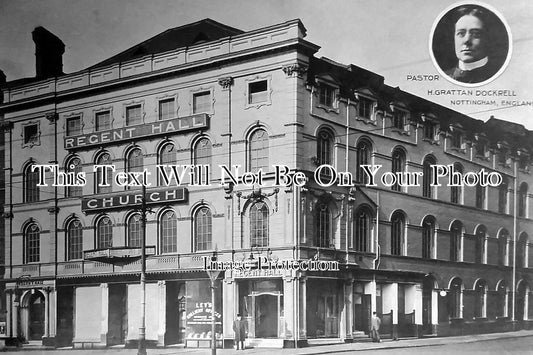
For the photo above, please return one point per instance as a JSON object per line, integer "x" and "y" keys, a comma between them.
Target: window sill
{"x": 431, "y": 141}
{"x": 366, "y": 120}
{"x": 328, "y": 108}
{"x": 401, "y": 131}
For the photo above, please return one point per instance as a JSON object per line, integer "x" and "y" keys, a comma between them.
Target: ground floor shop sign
{"x": 198, "y": 313}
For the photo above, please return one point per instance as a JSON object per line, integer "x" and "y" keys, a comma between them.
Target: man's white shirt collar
{"x": 473, "y": 65}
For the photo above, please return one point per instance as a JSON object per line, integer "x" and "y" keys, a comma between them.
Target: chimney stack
{"x": 49, "y": 51}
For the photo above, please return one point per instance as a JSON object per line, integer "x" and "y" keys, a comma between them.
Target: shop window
{"x": 201, "y": 102}
{"x": 104, "y": 233}
{"x": 133, "y": 115}
{"x": 32, "y": 244}
{"x": 428, "y": 236}
{"x": 456, "y": 236}
{"x": 31, "y": 179}
{"x": 259, "y": 225}
{"x": 257, "y": 92}
{"x": 75, "y": 240}
{"x": 168, "y": 232}
{"x": 362, "y": 228}
{"x": 397, "y": 233}
{"x": 398, "y": 166}
{"x": 259, "y": 151}
{"x": 323, "y": 226}
{"x": 73, "y": 126}
{"x": 74, "y": 166}
{"x": 101, "y": 186}
{"x": 134, "y": 230}
{"x": 428, "y": 190}
{"x": 103, "y": 121}
{"x": 203, "y": 227}
{"x": 364, "y": 149}
{"x": 166, "y": 109}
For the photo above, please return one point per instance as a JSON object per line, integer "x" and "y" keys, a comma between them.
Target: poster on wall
{"x": 198, "y": 316}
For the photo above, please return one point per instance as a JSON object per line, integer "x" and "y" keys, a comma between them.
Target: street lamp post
{"x": 141, "y": 350}
{"x": 213, "y": 275}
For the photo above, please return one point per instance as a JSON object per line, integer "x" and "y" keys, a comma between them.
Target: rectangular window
{"x": 103, "y": 121}
{"x": 166, "y": 109}
{"x": 399, "y": 120}
{"x": 480, "y": 149}
{"x": 457, "y": 140}
{"x": 73, "y": 126}
{"x": 133, "y": 115}
{"x": 430, "y": 131}
{"x": 326, "y": 96}
{"x": 257, "y": 92}
{"x": 365, "y": 108}
{"x": 201, "y": 102}
{"x": 31, "y": 133}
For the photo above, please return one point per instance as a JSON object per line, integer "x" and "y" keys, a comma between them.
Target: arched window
{"x": 32, "y": 243}
{"x": 522, "y": 200}
{"x": 521, "y": 251}
{"x": 104, "y": 233}
{"x": 362, "y": 228}
{"x": 481, "y": 234}
{"x": 480, "y": 299}
{"x": 259, "y": 225}
{"x": 323, "y": 226}
{"x": 503, "y": 239}
{"x": 427, "y": 189}
{"x": 455, "y": 298}
{"x": 502, "y": 299}
{"x": 134, "y": 230}
{"x": 202, "y": 156}
{"x": 169, "y": 232}
{"x": 74, "y": 240}
{"x": 364, "y": 150}
{"x": 258, "y": 153}
{"x": 397, "y": 233}
{"x": 324, "y": 147}
{"x": 456, "y": 191}
{"x": 203, "y": 228}
{"x": 73, "y": 166}
{"x": 398, "y": 166}
{"x": 31, "y": 179}
{"x": 480, "y": 196}
{"x": 167, "y": 156}
{"x": 502, "y": 195}
{"x": 134, "y": 163}
{"x": 456, "y": 235}
{"x": 428, "y": 235}
{"x": 101, "y": 186}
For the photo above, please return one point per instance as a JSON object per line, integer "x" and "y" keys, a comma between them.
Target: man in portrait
{"x": 472, "y": 41}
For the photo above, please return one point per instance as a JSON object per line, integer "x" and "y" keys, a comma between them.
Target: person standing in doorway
{"x": 239, "y": 327}
{"x": 376, "y": 323}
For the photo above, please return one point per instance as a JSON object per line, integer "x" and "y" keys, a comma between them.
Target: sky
{"x": 388, "y": 37}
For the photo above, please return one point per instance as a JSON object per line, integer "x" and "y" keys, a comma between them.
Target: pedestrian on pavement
{"x": 376, "y": 322}
{"x": 239, "y": 327}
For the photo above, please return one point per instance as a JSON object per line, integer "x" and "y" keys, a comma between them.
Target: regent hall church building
{"x": 430, "y": 260}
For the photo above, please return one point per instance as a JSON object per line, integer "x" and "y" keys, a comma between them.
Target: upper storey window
{"x": 30, "y": 134}
{"x": 133, "y": 115}
{"x": 457, "y": 137}
{"x": 326, "y": 95}
{"x": 400, "y": 117}
{"x": 73, "y": 126}
{"x": 431, "y": 127}
{"x": 103, "y": 121}
{"x": 365, "y": 108}
{"x": 166, "y": 109}
{"x": 201, "y": 102}
{"x": 257, "y": 92}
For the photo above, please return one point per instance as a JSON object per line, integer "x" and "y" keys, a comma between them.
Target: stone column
{"x": 289, "y": 310}
{"x": 347, "y": 312}
{"x": 230, "y": 298}
{"x": 162, "y": 290}
{"x": 302, "y": 308}
{"x": 104, "y": 314}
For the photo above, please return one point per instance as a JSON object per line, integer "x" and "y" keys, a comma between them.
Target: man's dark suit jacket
{"x": 473, "y": 76}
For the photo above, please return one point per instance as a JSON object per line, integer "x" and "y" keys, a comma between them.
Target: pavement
{"x": 363, "y": 345}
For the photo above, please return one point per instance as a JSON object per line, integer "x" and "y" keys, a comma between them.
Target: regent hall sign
{"x": 117, "y": 135}
{"x": 95, "y": 204}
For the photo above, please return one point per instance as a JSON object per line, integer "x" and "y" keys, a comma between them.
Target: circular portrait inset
{"x": 470, "y": 44}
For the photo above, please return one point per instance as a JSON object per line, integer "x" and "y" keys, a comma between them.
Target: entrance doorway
{"x": 36, "y": 309}
{"x": 322, "y": 304}
{"x": 262, "y": 307}
{"x": 427, "y": 294}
